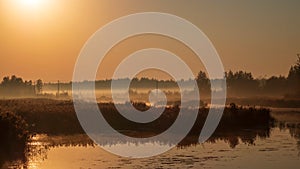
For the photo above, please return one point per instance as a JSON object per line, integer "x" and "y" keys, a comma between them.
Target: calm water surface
{"x": 280, "y": 150}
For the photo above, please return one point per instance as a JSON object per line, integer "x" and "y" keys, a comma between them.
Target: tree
{"x": 5, "y": 80}
{"x": 39, "y": 86}
{"x": 294, "y": 72}
{"x": 203, "y": 83}
{"x": 15, "y": 86}
{"x": 241, "y": 84}
{"x": 294, "y": 77}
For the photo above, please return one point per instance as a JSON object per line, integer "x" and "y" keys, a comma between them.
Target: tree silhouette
{"x": 203, "y": 83}
{"x": 294, "y": 78}
{"x": 15, "y": 86}
{"x": 241, "y": 84}
{"x": 294, "y": 73}
{"x": 39, "y": 86}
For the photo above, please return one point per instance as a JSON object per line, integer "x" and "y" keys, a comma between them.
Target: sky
{"x": 43, "y": 38}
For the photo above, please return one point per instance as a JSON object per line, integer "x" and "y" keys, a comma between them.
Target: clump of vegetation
{"x": 16, "y": 87}
{"x": 13, "y": 135}
{"x": 58, "y": 117}
{"x": 53, "y": 117}
{"x": 238, "y": 125}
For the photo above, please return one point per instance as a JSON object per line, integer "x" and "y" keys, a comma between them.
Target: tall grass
{"x": 57, "y": 117}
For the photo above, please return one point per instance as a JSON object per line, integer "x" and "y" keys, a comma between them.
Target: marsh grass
{"x": 58, "y": 117}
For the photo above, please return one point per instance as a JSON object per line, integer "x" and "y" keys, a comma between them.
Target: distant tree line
{"x": 16, "y": 87}
{"x": 240, "y": 84}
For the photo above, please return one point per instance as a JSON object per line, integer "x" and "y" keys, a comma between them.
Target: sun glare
{"x": 31, "y": 3}
{"x": 28, "y": 7}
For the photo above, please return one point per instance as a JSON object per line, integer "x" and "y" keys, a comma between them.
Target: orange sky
{"x": 43, "y": 39}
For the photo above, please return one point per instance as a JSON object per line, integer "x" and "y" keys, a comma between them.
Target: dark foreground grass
{"x": 58, "y": 117}
{"x": 13, "y": 136}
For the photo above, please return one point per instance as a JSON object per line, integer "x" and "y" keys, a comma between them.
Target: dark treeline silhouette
{"x": 240, "y": 84}
{"x": 16, "y": 87}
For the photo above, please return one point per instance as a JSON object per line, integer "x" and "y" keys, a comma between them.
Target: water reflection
{"x": 231, "y": 131}
{"x": 289, "y": 121}
{"x": 38, "y": 147}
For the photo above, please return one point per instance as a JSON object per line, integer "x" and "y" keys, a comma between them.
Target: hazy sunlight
{"x": 31, "y": 3}
{"x": 28, "y": 5}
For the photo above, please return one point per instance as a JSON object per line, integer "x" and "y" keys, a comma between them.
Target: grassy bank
{"x": 57, "y": 117}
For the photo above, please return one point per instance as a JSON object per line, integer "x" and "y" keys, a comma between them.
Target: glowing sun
{"x": 31, "y": 3}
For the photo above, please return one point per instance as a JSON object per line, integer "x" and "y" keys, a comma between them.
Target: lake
{"x": 278, "y": 148}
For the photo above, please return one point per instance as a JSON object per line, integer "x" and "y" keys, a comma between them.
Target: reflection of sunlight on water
{"x": 37, "y": 151}
{"x": 278, "y": 151}
{"x": 269, "y": 153}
